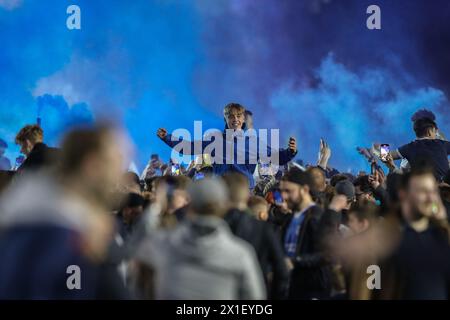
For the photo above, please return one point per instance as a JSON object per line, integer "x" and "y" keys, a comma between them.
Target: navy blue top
{"x": 434, "y": 151}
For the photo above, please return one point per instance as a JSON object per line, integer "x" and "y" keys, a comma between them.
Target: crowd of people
{"x": 224, "y": 231}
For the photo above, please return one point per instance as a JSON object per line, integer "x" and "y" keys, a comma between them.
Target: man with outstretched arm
{"x": 234, "y": 116}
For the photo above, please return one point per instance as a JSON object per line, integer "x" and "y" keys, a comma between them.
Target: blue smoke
{"x": 57, "y": 117}
{"x": 148, "y": 64}
{"x": 350, "y": 109}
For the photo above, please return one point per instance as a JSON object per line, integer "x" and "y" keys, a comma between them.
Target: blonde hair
{"x": 233, "y": 106}
{"x": 31, "y": 132}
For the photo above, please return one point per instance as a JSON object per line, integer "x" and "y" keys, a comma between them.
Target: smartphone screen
{"x": 277, "y": 197}
{"x": 384, "y": 151}
{"x": 199, "y": 176}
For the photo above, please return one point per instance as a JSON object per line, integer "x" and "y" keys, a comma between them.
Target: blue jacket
{"x": 247, "y": 168}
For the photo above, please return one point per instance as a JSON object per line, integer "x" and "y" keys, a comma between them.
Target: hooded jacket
{"x": 201, "y": 259}
{"x": 41, "y": 236}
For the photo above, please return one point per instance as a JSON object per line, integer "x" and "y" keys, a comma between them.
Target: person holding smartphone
{"x": 234, "y": 116}
{"x": 427, "y": 147}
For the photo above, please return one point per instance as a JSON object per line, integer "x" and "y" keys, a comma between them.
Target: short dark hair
{"x": 422, "y": 125}
{"x": 132, "y": 200}
{"x": 363, "y": 183}
{"x": 447, "y": 177}
{"x": 295, "y": 175}
{"x": 416, "y": 172}
{"x": 336, "y": 178}
{"x": 175, "y": 182}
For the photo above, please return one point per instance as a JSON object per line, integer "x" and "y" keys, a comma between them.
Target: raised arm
{"x": 187, "y": 147}
{"x": 395, "y": 154}
{"x": 285, "y": 155}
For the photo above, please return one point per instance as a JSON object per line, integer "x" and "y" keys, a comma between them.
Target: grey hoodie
{"x": 202, "y": 259}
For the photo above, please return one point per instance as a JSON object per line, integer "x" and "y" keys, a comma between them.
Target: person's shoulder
{"x": 408, "y": 145}
{"x": 442, "y": 142}
{"x": 237, "y": 247}
{"x": 405, "y": 149}
{"x": 55, "y": 240}
{"x": 315, "y": 209}
{"x": 233, "y": 244}
{"x": 314, "y": 213}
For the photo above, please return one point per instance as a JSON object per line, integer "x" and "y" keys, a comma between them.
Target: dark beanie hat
{"x": 345, "y": 188}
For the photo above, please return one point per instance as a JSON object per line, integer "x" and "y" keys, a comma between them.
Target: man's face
{"x": 293, "y": 194}
{"x": 422, "y": 195}
{"x": 26, "y": 147}
{"x": 356, "y": 225}
{"x": 235, "y": 119}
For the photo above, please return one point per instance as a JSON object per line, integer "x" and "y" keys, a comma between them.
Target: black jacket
{"x": 268, "y": 249}
{"x": 311, "y": 276}
{"x": 40, "y": 156}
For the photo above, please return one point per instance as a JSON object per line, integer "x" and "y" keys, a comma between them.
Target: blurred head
{"x": 248, "y": 119}
{"x": 419, "y": 194}
{"x": 234, "y": 114}
{"x": 336, "y": 178}
{"x": 425, "y": 128}
{"x": 91, "y": 161}
{"x": 238, "y": 189}
{"x": 176, "y": 190}
{"x": 209, "y": 197}
{"x": 28, "y": 136}
{"x": 318, "y": 179}
{"x": 361, "y": 216}
{"x": 346, "y": 188}
{"x": 259, "y": 207}
{"x": 295, "y": 188}
{"x": 393, "y": 185}
{"x": 132, "y": 208}
{"x": 363, "y": 189}
{"x": 131, "y": 182}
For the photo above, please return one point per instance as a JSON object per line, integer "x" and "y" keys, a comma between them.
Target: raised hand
{"x": 389, "y": 161}
{"x": 292, "y": 146}
{"x": 161, "y": 133}
{"x": 324, "y": 154}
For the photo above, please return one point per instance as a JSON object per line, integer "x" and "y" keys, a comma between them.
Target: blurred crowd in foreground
{"x": 229, "y": 232}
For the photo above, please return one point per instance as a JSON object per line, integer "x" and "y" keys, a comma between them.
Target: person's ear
{"x": 305, "y": 189}
{"x": 365, "y": 224}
